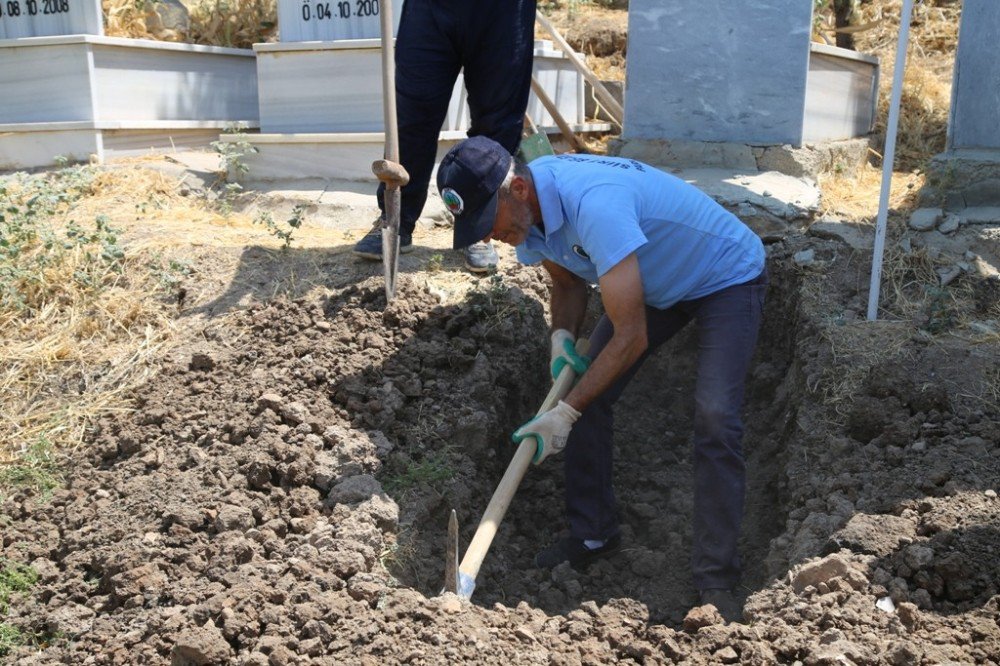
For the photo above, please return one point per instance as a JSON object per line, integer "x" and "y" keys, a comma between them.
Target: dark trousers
{"x": 727, "y": 324}
{"x": 493, "y": 40}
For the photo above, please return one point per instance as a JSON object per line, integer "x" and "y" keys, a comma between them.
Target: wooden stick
{"x": 612, "y": 106}
{"x": 502, "y": 496}
{"x": 393, "y": 196}
{"x": 553, "y": 110}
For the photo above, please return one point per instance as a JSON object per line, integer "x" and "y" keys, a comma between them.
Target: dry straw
{"x": 234, "y": 23}
{"x": 926, "y": 94}
{"x": 81, "y": 322}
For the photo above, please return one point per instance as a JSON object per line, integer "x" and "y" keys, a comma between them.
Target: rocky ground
{"x": 280, "y": 492}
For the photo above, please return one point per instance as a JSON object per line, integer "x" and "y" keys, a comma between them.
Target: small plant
{"x": 232, "y": 154}
{"x": 435, "y": 263}
{"x": 294, "y": 222}
{"x": 493, "y": 304}
{"x": 10, "y": 638}
{"x": 36, "y": 469}
{"x": 172, "y": 274}
{"x": 232, "y": 158}
{"x": 434, "y": 471}
{"x": 14, "y": 579}
{"x": 32, "y": 252}
{"x": 941, "y": 315}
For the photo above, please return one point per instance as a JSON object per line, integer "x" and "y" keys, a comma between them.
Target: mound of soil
{"x": 280, "y": 494}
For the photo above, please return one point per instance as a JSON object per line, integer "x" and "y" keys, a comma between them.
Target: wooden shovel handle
{"x": 504, "y": 493}
{"x": 389, "y": 83}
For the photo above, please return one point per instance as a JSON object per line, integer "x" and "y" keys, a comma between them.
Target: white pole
{"x": 888, "y": 159}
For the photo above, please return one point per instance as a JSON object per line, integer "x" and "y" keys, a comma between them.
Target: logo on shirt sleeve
{"x": 580, "y": 252}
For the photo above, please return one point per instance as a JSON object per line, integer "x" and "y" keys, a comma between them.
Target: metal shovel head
{"x": 390, "y": 241}
{"x": 535, "y": 146}
{"x": 451, "y": 556}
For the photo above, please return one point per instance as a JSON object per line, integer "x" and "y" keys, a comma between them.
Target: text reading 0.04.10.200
{"x": 326, "y": 11}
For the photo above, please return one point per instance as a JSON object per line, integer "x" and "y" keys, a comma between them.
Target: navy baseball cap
{"x": 468, "y": 179}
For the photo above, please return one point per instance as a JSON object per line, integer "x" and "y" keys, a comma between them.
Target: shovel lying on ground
{"x": 461, "y": 578}
{"x": 388, "y": 170}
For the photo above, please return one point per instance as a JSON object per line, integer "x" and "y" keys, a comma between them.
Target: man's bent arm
{"x": 568, "y": 299}
{"x": 625, "y": 306}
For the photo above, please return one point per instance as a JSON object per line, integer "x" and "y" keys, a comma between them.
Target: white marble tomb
{"x": 86, "y": 96}
{"x": 321, "y": 110}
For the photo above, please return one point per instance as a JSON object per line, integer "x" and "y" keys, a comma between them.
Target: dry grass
{"x": 87, "y": 308}
{"x": 927, "y": 83}
{"x": 856, "y": 348}
{"x": 80, "y": 322}
{"x": 234, "y": 23}
{"x": 855, "y": 197}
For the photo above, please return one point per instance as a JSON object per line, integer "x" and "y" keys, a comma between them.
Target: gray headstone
{"x": 717, "y": 70}
{"x": 45, "y": 18}
{"x": 333, "y": 20}
{"x": 975, "y": 107}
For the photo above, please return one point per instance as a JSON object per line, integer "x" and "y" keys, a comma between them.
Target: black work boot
{"x": 575, "y": 552}
{"x": 725, "y": 601}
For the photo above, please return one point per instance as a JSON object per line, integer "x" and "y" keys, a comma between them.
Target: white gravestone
{"x": 327, "y": 21}
{"x": 44, "y": 18}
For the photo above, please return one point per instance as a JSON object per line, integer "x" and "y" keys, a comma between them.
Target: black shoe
{"x": 573, "y": 551}
{"x": 370, "y": 247}
{"x": 725, "y": 602}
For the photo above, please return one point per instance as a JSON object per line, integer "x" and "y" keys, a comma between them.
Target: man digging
{"x": 663, "y": 254}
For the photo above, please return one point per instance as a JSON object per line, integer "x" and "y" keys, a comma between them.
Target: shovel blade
{"x": 390, "y": 241}
{"x": 451, "y": 556}
{"x": 535, "y": 146}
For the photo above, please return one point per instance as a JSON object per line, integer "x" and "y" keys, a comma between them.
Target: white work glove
{"x": 564, "y": 353}
{"x": 550, "y": 430}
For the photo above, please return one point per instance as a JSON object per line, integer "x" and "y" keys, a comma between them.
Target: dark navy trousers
{"x": 727, "y": 324}
{"x": 493, "y": 40}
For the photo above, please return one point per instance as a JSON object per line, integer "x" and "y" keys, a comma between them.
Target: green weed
{"x": 232, "y": 164}
{"x": 34, "y": 258}
{"x": 494, "y": 304}
{"x": 14, "y": 578}
{"x": 292, "y": 223}
{"x": 941, "y": 312}
{"x": 433, "y": 471}
{"x": 37, "y": 469}
{"x": 10, "y": 638}
{"x": 435, "y": 263}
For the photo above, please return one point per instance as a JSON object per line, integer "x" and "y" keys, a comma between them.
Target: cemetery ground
{"x": 221, "y": 445}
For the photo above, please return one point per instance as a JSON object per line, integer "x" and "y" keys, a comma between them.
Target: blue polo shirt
{"x": 597, "y": 210}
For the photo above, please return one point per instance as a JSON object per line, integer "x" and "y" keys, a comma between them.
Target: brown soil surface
{"x": 279, "y": 492}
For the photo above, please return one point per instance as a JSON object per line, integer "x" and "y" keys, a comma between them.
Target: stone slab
{"x": 284, "y": 157}
{"x": 85, "y": 142}
{"x": 93, "y": 78}
{"x": 856, "y": 236}
{"x": 781, "y": 196}
{"x": 841, "y": 94}
{"x": 974, "y": 121}
{"x": 809, "y": 161}
{"x": 337, "y": 87}
{"x": 39, "y": 18}
{"x": 711, "y": 70}
{"x": 979, "y": 215}
{"x": 350, "y": 202}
